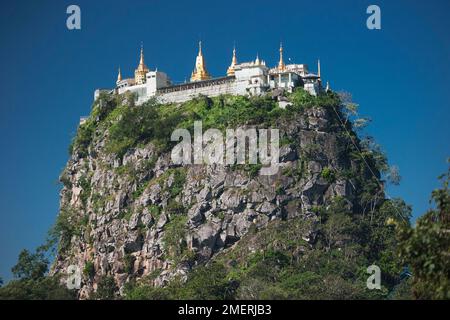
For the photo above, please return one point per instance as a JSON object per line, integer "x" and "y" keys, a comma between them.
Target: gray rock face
{"x": 143, "y": 218}
{"x": 205, "y": 238}
{"x": 232, "y": 199}
{"x": 195, "y": 214}
{"x": 287, "y": 153}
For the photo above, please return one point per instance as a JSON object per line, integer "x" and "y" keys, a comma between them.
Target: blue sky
{"x": 399, "y": 75}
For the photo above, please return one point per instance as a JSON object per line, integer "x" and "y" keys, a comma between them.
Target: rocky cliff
{"x": 129, "y": 213}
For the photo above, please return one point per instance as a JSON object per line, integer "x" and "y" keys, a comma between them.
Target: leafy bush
{"x": 30, "y": 265}
{"x": 135, "y": 291}
{"x": 328, "y": 174}
{"x": 63, "y": 229}
{"x": 106, "y": 289}
{"x": 136, "y": 194}
{"x": 179, "y": 178}
{"x": 85, "y": 185}
{"x": 83, "y": 138}
{"x": 128, "y": 260}
{"x": 89, "y": 269}
{"x": 174, "y": 236}
{"x": 302, "y": 99}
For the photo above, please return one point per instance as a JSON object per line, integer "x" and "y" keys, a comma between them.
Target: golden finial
{"x": 230, "y": 70}
{"x": 141, "y": 60}
{"x": 119, "y": 76}
{"x": 257, "y": 61}
{"x": 141, "y": 71}
{"x": 318, "y": 67}
{"x": 200, "y": 72}
{"x": 281, "y": 65}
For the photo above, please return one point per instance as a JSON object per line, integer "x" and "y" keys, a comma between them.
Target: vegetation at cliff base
{"x": 31, "y": 281}
{"x": 426, "y": 247}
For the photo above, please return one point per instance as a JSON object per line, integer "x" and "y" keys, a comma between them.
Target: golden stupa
{"x": 141, "y": 70}
{"x": 281, "y": 65}
{"x": 200, "y": 72}
{"x": 230, "y": 70}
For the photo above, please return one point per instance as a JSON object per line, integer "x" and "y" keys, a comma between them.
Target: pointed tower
{"x": 200, "y": 72}
{"x": 119, "y": 77}
{"x": 318, "y": 68}
{"x": 141, "y": 70}
{"x": 281, "y": 65}
{"x": 230, "y": 70}
{"x": 257, "y": 61}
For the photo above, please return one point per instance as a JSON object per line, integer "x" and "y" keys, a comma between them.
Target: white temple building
{"x": 248, "y": 78}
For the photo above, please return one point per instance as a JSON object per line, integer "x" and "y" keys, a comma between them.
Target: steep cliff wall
{"x": 128, "y": 212}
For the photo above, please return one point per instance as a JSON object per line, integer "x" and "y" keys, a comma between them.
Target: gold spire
{"x": 318, "y": 67}
{"x": 141, "y": 70}
{"x": 257, "y": 61}
{"x": 119, "y": 76}
{"x": 200, "y": 72}
{"x": 230, "y": 70}
{"x": 141, "y": 61}
{"x": 281, "y": 65}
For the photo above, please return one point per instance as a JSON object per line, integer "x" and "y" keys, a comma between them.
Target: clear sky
{"x": 399, "y": 75}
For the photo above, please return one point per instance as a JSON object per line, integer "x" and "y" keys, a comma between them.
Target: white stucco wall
{"x": 210, "y": 91}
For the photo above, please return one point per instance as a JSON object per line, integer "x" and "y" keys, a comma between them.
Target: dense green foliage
{"x": 45, "y": 288}
{"x": 426, "y": 247}
{"x": 30, "y": 265}
{"x": 205, "y": 282}
{"x": 67, "y": 224}
{"x": 89, "y": 270}
{"x": 106, "y": 289}
{"x": 31, "y": 281}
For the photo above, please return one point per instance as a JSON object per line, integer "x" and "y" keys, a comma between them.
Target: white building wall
{"x": 251, "y": 79}
{"x": 284, "y": 80}
{"x": 139, "y": 89}
{"x": 210, "y": 91}
{"x": 156, "y": 80}
{"x": 312, "y": 88}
